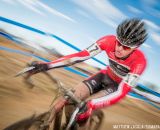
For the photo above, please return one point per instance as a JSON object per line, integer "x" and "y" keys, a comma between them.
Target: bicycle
{"x": 50, "y": 120}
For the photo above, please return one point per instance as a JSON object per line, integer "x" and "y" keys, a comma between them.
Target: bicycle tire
{"x": 29, "y": 123}
{"x": 35, "y": 122}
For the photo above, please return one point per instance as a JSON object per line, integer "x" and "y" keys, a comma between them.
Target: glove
{"x": 85, "y": 112}
{"x": 38, "y": 67}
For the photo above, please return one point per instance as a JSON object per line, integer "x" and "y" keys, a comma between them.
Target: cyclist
{"x": 126, "y": 64}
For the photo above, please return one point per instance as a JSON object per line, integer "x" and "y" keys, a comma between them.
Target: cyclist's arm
{"x": 71, "y": 59}
{"x": 101, "y": 44}
{"x": 129, "y": 82}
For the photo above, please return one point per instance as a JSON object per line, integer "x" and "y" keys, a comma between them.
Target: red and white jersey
{"x": 124, "y": 71}
{"x": 134, "y": 64}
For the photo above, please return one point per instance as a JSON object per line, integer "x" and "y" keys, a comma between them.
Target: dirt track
{"x": 18, "y": 101}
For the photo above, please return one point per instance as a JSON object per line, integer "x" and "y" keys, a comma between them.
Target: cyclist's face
{"x": 122, "y": 51}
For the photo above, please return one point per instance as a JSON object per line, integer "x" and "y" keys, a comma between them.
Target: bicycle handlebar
{"x": 67, "y": 92}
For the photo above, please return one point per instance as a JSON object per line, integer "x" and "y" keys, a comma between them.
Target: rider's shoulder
{"x": 107, "y": 42}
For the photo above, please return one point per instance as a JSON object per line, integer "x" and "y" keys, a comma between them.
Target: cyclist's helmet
{"x": 131, "y": 33}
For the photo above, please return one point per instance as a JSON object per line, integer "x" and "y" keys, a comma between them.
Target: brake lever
{"x": 25, "y": 70}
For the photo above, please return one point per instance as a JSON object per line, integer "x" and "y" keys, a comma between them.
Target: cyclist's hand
{"x": 85, "y": 112}
{"x": 38, "y": 67}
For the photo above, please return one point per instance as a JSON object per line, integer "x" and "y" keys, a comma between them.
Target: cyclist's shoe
{"x": 85, "y": 112}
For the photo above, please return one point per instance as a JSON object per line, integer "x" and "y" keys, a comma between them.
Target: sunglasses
{"x": 124, "y": 47}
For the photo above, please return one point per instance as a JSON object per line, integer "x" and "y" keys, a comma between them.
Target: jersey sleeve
{"x": 71, "y": 59}
{"x": 112, "y": 98}
{"x": 137, "y": 69}
{"x": 100, "y": 45}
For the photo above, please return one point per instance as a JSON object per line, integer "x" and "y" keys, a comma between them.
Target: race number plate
{"x": 131, "y": 79}
{"x": 94, "y": 49}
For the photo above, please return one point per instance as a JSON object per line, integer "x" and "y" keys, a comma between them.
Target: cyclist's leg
{"x": 105, "y": 87}
{"x": 108, "y": 84}
{"x": 94, "y": 82}
{"x": 83, "y": 90}
{"x": 101, "y": 84}
{"x": 56, "y": 107}
{"x": 88, "y": 87}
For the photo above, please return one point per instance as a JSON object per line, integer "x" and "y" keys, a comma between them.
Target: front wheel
{"x": 32, "y": 123}
{"x": 39, "y": 122}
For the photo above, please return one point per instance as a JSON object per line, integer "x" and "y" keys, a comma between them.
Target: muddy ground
{"x": 18, "y": 101}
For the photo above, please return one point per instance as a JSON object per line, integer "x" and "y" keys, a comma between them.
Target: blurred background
{"x": 48, "y": 29}
{"x": 81, "y": 23}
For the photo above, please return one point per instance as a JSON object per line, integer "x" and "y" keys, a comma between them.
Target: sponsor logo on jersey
{"x": 119, "y": 69}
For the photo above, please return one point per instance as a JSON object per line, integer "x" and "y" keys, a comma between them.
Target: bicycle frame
{"x": 67, "y": 93}
{"x": 70, "y": 95}
{"x": 53, "y": 119}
